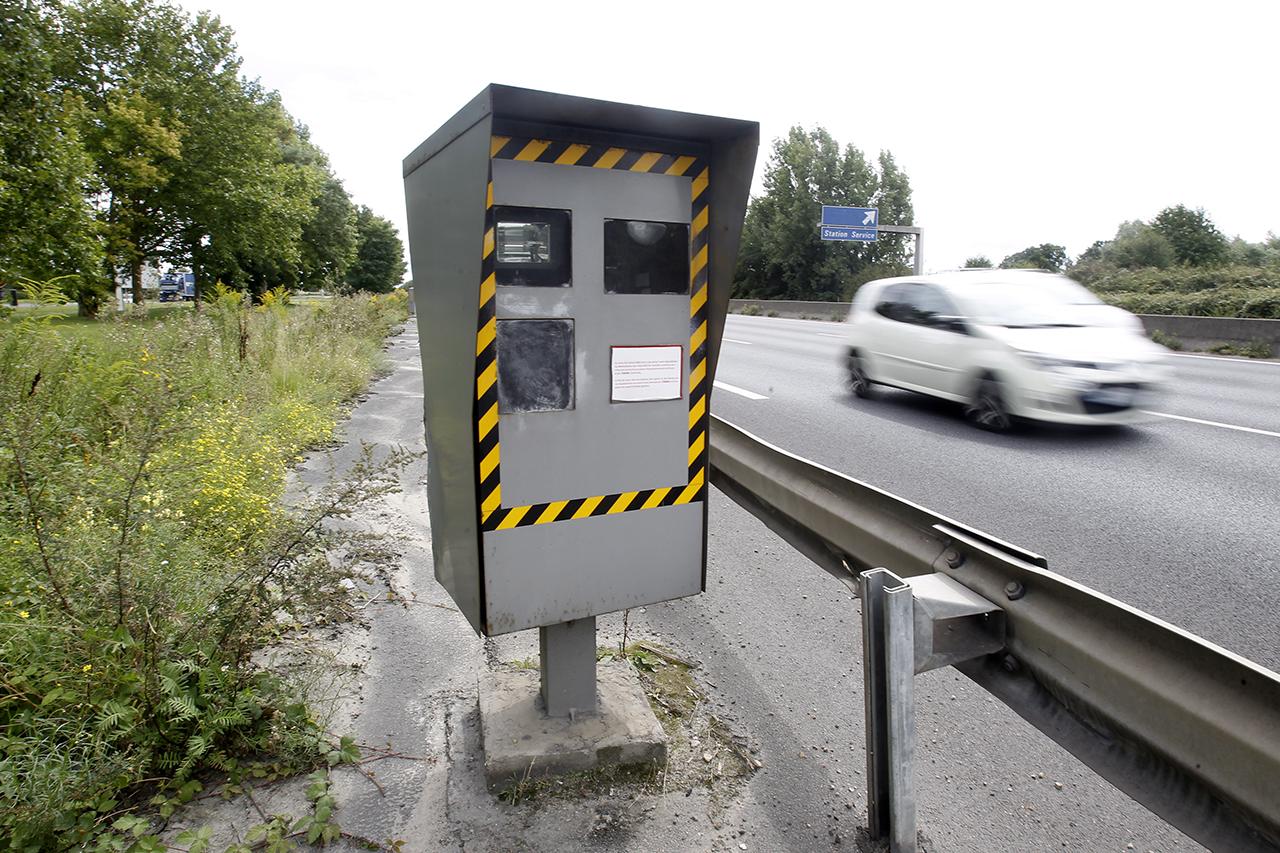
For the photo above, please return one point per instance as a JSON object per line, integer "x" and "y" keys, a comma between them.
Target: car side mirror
{"x": 951, "y": 324}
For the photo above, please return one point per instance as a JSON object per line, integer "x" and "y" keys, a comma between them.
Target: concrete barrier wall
{"x": 1205, "y": 332}
{"x": 1193, "y": 332}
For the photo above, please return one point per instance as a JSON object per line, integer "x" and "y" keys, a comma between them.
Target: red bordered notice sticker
{"x": 639, "y": 374}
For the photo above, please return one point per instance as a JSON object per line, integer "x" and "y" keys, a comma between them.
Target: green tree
{"x": 1137, "y": 245}
{"x": 47, "y": 228}
{"x": 1094, "y": 252}
{"x": 977, "y": 262}
{"x": 329, "y": 236}
{"x": 191, "y": 157}
{"x": 138, "y": 148}
{"x": 225, "y": 201}
{"x": 1263, "y": 254}
{"x": 379, "y": 265}
{"x": 258, "y": 242}
{"x": 893, "y": 198}
{"x": 783, "y": 256}
{"x": 128, "y": 60}
{"x": 1046, "y": 256}
{"x": 1196, "y": 241}
{"x": 128, "y": 136}
{"x": 1247, "y": 254}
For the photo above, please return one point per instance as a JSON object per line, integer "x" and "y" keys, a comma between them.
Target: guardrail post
{"x": 888, "y": 671}
{"x": 1188, "y": 729}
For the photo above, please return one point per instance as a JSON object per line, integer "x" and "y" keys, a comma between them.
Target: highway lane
{"x": 1179, "y": 518}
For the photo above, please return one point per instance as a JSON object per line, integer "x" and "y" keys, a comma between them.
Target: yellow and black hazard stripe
{"x": 526, "y": 516}
{"x": 493, "y": 516}
{"x": 596, "y": 156}
{"x": 488, "y": 473}
{"x": 698, "y": 259}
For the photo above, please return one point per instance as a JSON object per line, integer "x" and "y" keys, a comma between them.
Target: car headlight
{"x": 1048, "y": 362}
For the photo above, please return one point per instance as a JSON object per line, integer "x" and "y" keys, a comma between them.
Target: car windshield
{"x": 1044, "y": 302}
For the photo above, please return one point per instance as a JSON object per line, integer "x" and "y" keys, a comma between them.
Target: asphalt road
{"x": 1175, "y": 517}
{"x": 1179, "y": 516}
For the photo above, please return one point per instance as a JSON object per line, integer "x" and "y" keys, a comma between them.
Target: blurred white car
{"x": 1007, "y": 344}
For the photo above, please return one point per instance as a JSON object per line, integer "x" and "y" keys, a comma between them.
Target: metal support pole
{"x": 568, "y": 657}
{"x": 914, "y": 230}
{"x": 888, "y": 670}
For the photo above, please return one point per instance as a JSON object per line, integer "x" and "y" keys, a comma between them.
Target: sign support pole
{"x": 919, "y": 235}
{"x": 567, "y": 652}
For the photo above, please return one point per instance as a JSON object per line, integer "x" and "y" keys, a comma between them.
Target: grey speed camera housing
{"x": 572, "y": 260}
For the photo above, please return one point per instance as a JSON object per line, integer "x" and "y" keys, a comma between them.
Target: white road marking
{"x": 1225, "y": 358}
{"x": 734, "y": 389}
{"x": 736, "y": 341}
{"x": 829, "y": 335}
{"x": 1214, "y": 423}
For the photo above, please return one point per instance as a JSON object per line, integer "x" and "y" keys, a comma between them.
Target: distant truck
{"x": 177, "y": 285}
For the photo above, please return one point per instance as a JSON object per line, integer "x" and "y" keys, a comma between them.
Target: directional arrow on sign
{"x": 850, "y": 217}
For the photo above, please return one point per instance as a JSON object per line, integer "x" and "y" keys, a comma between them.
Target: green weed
{"x": 1249, "y": 349}
{"x": 1166, "y": 340}
{"x": 145, "y": 552}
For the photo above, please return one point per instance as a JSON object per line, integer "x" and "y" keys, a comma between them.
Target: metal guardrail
{"x": 1187, "y": 729}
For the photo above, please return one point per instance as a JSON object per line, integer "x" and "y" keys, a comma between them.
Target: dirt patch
{"x": 703, "y": 751}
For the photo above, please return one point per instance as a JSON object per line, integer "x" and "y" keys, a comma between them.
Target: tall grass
{"x": 144, "y": 547}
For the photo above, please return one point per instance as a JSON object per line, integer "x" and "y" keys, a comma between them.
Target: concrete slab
{"x": 519, "y": 740}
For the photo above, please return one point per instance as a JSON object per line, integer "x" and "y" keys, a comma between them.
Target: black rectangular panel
{"x": 535, "y": 366}
{"x": 645, "y": 257}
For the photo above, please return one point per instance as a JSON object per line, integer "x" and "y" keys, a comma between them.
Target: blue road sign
{"x": 852, "y": 217}
{"x": 860, "y": 235}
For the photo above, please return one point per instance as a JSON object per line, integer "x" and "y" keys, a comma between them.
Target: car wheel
{"x": 859, "y": 383}
{"x": 987, "y": 409}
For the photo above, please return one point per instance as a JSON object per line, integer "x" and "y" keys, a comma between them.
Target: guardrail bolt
{"x": 1010, "y": 664}
{"x": 954, "y": 558}
{"x": 1014, "y": 590}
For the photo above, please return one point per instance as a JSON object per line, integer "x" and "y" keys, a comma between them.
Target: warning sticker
{"x": 640, "y": 374}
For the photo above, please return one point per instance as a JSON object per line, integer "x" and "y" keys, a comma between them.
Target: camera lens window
{"x": 646, "y": 257}
{"x": 532, "y": 247}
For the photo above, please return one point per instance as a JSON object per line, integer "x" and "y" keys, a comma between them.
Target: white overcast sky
{"x": 1018, "y": 123}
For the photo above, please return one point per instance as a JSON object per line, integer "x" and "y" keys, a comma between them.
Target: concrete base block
{"x": 519, "y": 739}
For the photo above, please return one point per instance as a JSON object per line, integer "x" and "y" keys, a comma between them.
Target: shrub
{"x": 1262, "y": 304}
{"x": 1234, "y": 302}
{"x": 1250, "y": 349}
{"x": 1166, "y": 340}
{"x": 1103, "y": 279}
{"x": 1221, "y": 292}
{"x": 144, "y": 551}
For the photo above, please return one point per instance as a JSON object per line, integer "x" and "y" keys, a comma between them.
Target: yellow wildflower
{"x": 86, "y": 667}
{"x": 22, "y": 614}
